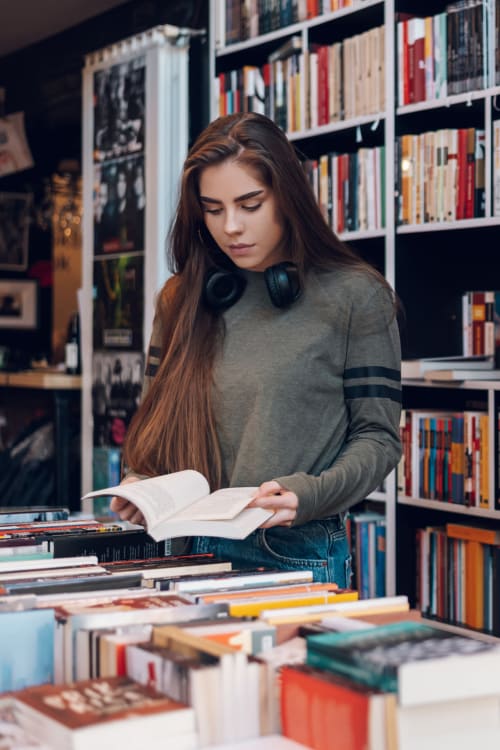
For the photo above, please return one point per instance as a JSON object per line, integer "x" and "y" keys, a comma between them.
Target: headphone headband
{"x": 223, "y": 288}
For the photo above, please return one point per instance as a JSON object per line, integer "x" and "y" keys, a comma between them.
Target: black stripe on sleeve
{"x": 372, "y": 372}
{"x": 372, "y": 391}
{"x": 154, "y": 351}
{"x": 151, "y": 369}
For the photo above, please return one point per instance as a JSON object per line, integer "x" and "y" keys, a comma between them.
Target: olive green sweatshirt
{"x": 309, "y": 395}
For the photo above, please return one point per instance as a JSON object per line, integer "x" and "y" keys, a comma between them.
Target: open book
{"x": 181, "y": 504}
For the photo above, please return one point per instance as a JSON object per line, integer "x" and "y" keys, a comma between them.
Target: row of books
{"x": 302, "y": 89}
{"x": 441, "y": 176}
{"x": 446, "y": 457}
{"x": 458, "y": 575}
{"x": 398, "y": 685}
{"x": 183, "y": 663}
{"x": 481, "y": 323}
{"x": 196, "y": 637}
{"x": 367, "y": 533}
{"x": 444, "y": 54}
{"x": 350, "y": 188}
{"x": 237, "y": 20}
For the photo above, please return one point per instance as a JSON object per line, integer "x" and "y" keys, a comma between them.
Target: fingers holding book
{"x": 283, "y": 503}
{"x": 126, "y": 510}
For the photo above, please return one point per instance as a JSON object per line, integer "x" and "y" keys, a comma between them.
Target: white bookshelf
{"x": 476, "y": 108}
{"x": 381, "y": 123}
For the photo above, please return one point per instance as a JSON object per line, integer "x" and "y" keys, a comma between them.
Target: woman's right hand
{"x": 127, "y": 511}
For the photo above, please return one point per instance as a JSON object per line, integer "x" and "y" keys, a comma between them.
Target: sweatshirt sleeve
{"x": 372, "y": 393}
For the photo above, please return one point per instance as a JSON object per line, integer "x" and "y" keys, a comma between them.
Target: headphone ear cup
{"x": 283, "y": 283}
{"x": 223, "y": 288}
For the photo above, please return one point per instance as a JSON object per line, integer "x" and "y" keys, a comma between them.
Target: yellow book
{"x": 360, "y": 608}
{"x": 484, "y": 497}
{"x": 254, "y": 607}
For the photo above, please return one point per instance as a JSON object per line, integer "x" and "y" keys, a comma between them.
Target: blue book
{"x": 26, "y": 648}
{"x": 380, "y": 558}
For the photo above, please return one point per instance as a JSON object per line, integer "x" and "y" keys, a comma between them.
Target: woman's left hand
{"x": 272, "y": 496}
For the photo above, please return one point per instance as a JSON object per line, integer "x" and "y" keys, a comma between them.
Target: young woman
{"x": 274, "y": 359}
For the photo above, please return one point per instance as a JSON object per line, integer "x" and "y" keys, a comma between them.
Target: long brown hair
{"x": 174, "y": 427}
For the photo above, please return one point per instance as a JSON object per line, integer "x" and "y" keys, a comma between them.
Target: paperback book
{"x": 92, "y": 713}
{"x": 181, "y": 504}
{"x": 420, "y": 663}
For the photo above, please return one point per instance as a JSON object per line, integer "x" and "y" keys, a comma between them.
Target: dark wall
{"x": 44, "y": 81}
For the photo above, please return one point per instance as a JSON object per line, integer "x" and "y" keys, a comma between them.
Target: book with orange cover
{"x": 473, "y": 533}
{"x": 319, "y": 709}
{"x": 474, "y": 584}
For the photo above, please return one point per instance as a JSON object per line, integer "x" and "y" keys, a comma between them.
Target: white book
{"x": 181, "y": 504}
{"x": 43, "y": 564}
{"x": 270, "y": 742}
{"x": 461, "y": 375}
{"x": 240, "y": 580}
{"x": 416, "y": 368}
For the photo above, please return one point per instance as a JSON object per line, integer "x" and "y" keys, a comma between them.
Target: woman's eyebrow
{"x": 245, "y": 197}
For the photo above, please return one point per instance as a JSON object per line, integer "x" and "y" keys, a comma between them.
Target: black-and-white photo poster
{"x": 116, "y": 391}
{"x": 119, "y": 107}
{"x": 119, "y": 205}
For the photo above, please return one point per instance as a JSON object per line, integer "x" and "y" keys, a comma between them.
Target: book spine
{"x": 120, "y": 545}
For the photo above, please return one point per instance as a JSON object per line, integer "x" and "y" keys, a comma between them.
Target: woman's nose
{"x": 232, "y": 225}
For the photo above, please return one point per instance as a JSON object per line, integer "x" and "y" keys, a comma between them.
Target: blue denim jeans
{"x": 320, "y": 546}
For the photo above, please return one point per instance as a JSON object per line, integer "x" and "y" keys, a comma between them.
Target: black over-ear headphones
{"x": 223, "y": 288}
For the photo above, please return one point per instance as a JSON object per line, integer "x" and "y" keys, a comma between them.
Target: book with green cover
{"x": 380, "y": 656}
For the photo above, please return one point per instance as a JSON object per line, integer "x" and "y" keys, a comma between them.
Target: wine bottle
{"x": 72, "y": 346}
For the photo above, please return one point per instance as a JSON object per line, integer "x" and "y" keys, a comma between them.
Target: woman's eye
{"x": 213, "y": 211}
{"x": 253, "y": 207}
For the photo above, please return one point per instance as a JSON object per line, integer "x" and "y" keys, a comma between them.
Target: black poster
{"x": 119, "y": 302}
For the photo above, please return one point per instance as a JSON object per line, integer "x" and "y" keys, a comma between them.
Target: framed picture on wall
{"x": 15, "y": 211}
{"x": 19, "y": 303}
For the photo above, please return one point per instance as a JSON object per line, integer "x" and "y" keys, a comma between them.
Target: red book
{"x": 312, "y": 8}
{"x": 478, "y": 322}
{"x": 340, "y": 192}
{"x": 410, "y": 60}
{"x": 418, "y": 53}
{"x": 318, "y": 707}
{"x": 470, "y": 180}
{"x": 461, "y": 172}
{"x": 323, "y": 114}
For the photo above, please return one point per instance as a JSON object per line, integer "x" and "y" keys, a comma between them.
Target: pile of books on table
{"x": 186, "y": 651}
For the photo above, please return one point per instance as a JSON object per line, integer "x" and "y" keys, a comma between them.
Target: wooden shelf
{"x": 46, "y": 380}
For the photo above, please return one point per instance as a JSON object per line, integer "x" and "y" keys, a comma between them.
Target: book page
{"x": 238, "y": 527}
{"x": 220, "y": 505}
{"x": 160, "y": 497}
